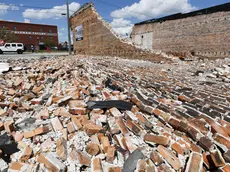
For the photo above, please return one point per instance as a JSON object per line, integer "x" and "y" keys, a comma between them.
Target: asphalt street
{"x": 29, "y": 55}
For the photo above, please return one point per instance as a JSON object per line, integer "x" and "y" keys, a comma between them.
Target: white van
{"x": 12, "y": 47}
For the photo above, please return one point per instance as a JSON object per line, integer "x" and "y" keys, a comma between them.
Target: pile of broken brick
{"x": 101, "y": 114}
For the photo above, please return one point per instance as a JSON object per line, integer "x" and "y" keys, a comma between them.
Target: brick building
{"x": 93, "y": 36}
{"x": 203, "y": 33}
{"x": 32, "y": 34}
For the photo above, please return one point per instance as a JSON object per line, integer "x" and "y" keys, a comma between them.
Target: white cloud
{"x": 122, "y": 26}
{"x": 60, "y": 34}
{"x": 153, "y": 8}
{"x": 26, "y": 21}
{"x": 63, "y": 29}
{"x": 6, "y": 7}
{"x": 53, "y": 13}
{"x": 120, "y": 22}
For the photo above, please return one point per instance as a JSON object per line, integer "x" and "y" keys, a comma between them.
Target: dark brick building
{"x": 32, "y": 34}
{"x": 203, "y": 33}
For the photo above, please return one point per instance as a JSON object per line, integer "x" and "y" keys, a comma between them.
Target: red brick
{"x": 217, "y": 158}
{"x": 195, "y": 163}
{"x": 134, "y": 127}
{"x": 44, "y": 114}
{"x": 29, "y": 134}
{"x": 110, "y": 154}
{"x": 51, "y": 163}
{"x": 61, "y": 148}
{"x": 9, "y": 126}
{"x": 226, "y": 168}
{"x": 161, "y": 140}
{"x": 77, "y": 103}
{"x": 193, "y": 133}
{"x": 27, "y": 152}
{"x": 92, "y": 149}
{"x": 177, "y": 148}
{"x": 141, "y": 165}
{"x": 56, "y": 123}
{"x": 206, "y": 143}
{"x": 208, "y": 161}
{"x": 92, "y": 129}
{"x": 11, "y": 92}
{"x": 155, "y": 157}
{"x": 174, "y": 123}
{"x": 216, "y": 128}
{"x": 78, "y": 111}
{"x": 96, "y": 165}
{"x": 169, "y": 157}
{"x": 157, "y": 112}
{"x": 114, "y": 169}
{"x": 76, "y": 123}
{"x": 3, "y": 112}
{"x": 1, "y": 126}
{"x": 122, "y": 126}
{"x": 15, "y": 166}
{"x": 115, "y": 112}
{"x": 195, "y": 148}
{"x": 105, "y": 142}
{"x": 83, "y": 159}
{"x": 62, "y": 112}
{"x": 70, "y": 127}
{"x": 41, "y": 130}
{"x": 222, "y": 140}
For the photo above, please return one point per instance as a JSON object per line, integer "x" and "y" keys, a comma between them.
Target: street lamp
{"x": 68, "y": 25}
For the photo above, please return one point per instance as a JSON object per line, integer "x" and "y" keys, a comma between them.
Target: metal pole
{"x": 68, "y": 25}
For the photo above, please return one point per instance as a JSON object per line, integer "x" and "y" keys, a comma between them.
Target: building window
{"x": 51, "y": 38}
{"x": 42, "y": 38}
{"x": 29, "y": 29}
{"x": 14, "y": 28}
{"x": 41, "y": 30}
{"x": 30, "y": 37}
{"x": 50, "y": 31}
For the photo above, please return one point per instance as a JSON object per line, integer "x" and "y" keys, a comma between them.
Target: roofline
{"x": 205, "y": 11}
{"x": 83, "y": 7}
{"x": 27, "y": 23}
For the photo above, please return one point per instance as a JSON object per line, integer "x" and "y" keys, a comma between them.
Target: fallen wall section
{"x": 100, "y": 39}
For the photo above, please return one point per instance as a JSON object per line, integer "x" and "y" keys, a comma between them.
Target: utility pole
{"x": 68, "y": 25}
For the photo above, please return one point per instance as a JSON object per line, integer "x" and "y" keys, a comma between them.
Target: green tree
{"x": 7, "y": 36}
{"x": 48, "y": 43}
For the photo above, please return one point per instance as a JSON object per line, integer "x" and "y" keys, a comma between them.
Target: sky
{"x": 121, "y": 14}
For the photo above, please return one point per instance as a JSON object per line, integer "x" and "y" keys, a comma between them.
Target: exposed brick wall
{"x": 204, "y": 35}
{"x": 100, "y": 39}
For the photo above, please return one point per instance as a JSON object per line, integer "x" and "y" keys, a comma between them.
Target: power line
{"x": 44, "y": 8}
{"x": 117, "y": 6}
{"x": 12, "y": 10}
{"x": 34, "y": 7}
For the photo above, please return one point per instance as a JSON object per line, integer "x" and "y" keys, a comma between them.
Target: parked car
{"x": 12, "y": 47}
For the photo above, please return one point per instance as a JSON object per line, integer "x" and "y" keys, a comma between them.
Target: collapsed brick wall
{"x": 204, "y": 35}
{"x": 100, "y": 39}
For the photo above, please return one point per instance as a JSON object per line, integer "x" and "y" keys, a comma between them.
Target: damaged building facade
{"x": 204, "y": 33}
{"x": 93, "y": 36}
